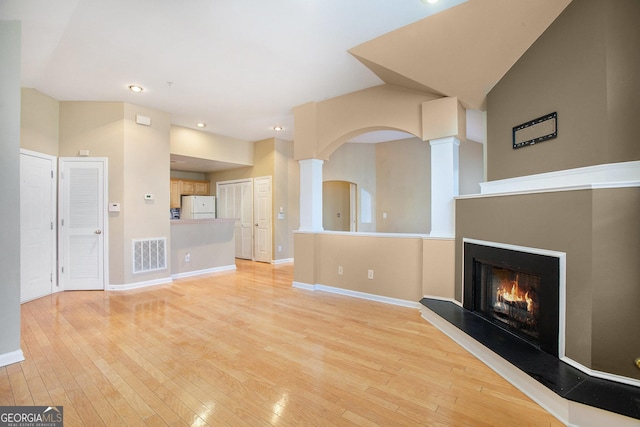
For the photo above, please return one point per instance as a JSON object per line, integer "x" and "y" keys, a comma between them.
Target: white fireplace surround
{"x": 562, "y": 281}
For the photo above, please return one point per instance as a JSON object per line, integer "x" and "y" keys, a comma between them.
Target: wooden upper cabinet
{"x": 175, "y": 193}
{"x": 201, "y": 188}
{"x": 187, "y": 187}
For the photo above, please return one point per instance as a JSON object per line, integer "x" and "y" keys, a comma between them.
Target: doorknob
{"x": 256, "y": 224}
{"x": 98, "y": 231}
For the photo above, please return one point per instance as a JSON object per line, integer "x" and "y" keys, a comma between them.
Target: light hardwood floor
{"x": 245, "y": 348}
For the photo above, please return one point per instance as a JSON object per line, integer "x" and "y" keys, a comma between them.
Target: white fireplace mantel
{"x": 611, "y": 175}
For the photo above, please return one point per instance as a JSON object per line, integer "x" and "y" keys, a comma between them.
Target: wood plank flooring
{"x": 244, "y": 348}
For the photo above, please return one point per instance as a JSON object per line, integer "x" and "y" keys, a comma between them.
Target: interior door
{"x": 235, "y": 200}
{"x": 83, "y": 228}
{"x": 37, "y": 225}
{"x": 262, "y": 218}
{"x": 246, "y": 219}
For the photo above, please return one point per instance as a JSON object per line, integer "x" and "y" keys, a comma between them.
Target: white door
{"x": 37, "y": 225}
{"x": 235, "y": 199}
{"x": 262, "y": 219}
{"x": 83, "y": 230}
{"x": 246, "y": 220}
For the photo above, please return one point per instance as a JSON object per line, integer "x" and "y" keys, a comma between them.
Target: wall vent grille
{"x": 149, "y": 254}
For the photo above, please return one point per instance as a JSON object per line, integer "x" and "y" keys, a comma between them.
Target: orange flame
{"x": 513, "y": 294}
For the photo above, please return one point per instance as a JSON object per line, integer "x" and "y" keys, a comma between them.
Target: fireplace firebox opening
{"x": 515, "y": 290}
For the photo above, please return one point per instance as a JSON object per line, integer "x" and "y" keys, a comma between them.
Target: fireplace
{"x": 517, "y": 289}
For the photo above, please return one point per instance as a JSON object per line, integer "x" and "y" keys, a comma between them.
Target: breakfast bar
{"x": 200, "y": 246}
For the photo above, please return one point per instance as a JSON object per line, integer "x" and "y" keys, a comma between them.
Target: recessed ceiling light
{"x": 201, "y": 125}
{"x": 278, "y": 128}
{"x": 135, "y": 88}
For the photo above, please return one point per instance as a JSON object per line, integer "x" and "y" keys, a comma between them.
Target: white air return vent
{"x": 149, "y": 254}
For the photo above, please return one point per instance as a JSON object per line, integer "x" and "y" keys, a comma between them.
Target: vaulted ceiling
{"x": 241, "y": 66}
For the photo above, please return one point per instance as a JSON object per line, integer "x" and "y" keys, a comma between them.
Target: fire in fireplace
{"x": 511, "y": 300}
{"x": 515, "y": 290}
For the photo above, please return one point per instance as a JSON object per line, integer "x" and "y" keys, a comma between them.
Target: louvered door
{"x": 82, "y": 223}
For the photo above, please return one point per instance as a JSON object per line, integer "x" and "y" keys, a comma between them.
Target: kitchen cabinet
{"x": 175, "y": 194}
{"x": 187, "y": 187}
{"x": 201, "y": 188}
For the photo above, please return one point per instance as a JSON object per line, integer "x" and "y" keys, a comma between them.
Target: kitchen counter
{"x": 200, "y": 246}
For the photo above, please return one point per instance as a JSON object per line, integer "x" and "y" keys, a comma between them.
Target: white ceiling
{"x": 240, "y": 66}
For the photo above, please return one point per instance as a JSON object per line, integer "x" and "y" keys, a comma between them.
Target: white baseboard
{"x": 357, "y": 294}
{"x": 11, "y": 358}
{"x": 281, "y": 261}
{"x": 138, "y": 285}
{"x": 600, "y": 374}
{"x": 568, "y": 412}
{"x": 305, "y": 286}
{"x": 205, "y": 271}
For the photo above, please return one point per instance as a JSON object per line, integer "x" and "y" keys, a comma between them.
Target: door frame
{"x": 251, "y": 230}
{"x": 55, "y": 282}
{"x": 269, "y": 210}
{"x": 105, "y": 228}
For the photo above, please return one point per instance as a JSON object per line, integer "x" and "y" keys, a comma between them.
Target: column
{"x": 444, "y": 185}
{"x": 311, "y": 195}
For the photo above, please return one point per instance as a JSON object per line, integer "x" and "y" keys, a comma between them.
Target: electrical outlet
{"x": 370, "y": 274}
{"x": 340, "y": 271}
{"x": 279, "y": 248}
{"x": 187, "y": 257}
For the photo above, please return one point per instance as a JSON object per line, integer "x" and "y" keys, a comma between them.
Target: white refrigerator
{"x": 198, "y": 207}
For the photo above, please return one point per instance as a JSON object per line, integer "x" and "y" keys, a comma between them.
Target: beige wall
{"x": 205, "y": 145}
{"x": 146, "y": 171}
{"x": 138, "y": 164}
{"x": 585, "y": 67}
{"x": 272, "y": 157}
{"x": 99, "y": 128}
{"x": 198, "y": 176}
{"x": 396, "y": 262}
{"x": 355, "y": 163}
{"x": 404, "y": 267}
{"x": 228, "y": 175}
{"x": 10, "y": 186}
{"x": 39, "y": 122}
{"x": 293, "y": 195}
{"x": 471, "y": 167}
{"x": 323, "y": 127}
{"x": 403, "y": 186}
{"x": 285, "y": 179}
{"x": 438, "y": 257}
{"x": 616, "y": 280}
{"x": 264, "y": 158}
{"x": 336, "y": 209}
{"x": 397, "y": 175}
{"x": 210, "y": 245}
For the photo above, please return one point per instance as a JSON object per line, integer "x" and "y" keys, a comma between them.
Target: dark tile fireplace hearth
{"x": 561, "y": 378}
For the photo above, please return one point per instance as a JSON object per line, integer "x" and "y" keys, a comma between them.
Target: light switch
{"x": 114, "y": 207}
